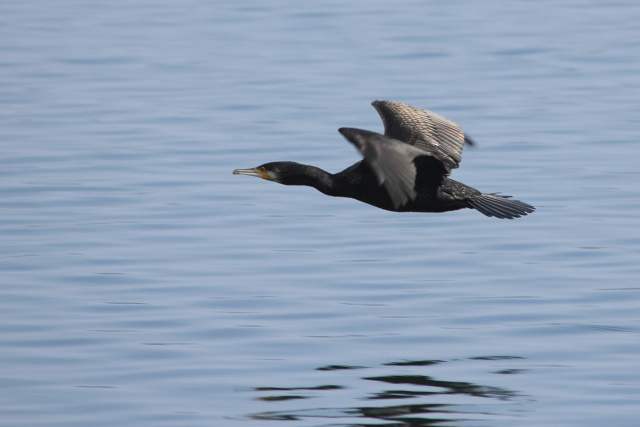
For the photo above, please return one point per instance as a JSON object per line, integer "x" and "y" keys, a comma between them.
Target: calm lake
{"x": 145, "y": 285}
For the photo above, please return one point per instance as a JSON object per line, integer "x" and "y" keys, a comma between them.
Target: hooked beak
{"x": 253, "y": 172}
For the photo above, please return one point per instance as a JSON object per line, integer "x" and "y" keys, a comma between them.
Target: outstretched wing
{"x": 392, "y": 162}
{"x": 426, "y": 130}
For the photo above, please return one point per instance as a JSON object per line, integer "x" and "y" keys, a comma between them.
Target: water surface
{"x": 143, "y": 284}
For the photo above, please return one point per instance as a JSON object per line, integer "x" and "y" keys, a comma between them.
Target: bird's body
{"x": 355, "y": 182}
{"x": 404, "y": 170}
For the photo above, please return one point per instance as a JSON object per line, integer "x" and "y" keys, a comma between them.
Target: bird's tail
{"x": 502, "y": 207}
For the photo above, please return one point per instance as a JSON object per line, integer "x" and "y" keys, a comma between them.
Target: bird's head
{"x": 287, "y": 173}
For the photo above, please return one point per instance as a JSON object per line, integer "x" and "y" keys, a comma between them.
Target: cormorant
{"x": 404, "y": 170}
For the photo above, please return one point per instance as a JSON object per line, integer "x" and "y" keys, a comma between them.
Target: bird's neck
{"x": 314, "y": 177}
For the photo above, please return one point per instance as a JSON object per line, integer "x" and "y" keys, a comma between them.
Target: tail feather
{"x": 500, "y": 206}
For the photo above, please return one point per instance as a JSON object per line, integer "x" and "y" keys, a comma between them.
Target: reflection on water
{"x": 469, "y": 405}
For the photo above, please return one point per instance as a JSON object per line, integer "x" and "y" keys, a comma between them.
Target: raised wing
{"x": 392, "y": 162}
{"x": 426, "y": 130}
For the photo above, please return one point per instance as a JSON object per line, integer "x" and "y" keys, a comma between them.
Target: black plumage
{"x": 404, "y": 170}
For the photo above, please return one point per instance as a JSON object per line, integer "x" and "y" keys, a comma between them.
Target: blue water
{"x": 144, "y": 284}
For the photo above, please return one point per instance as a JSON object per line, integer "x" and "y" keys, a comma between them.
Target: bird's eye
{"x": 261, "y": 169}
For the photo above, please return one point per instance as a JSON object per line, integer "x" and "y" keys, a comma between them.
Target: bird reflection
{"x": 441, "y": 387}
{"x": 416, "y": 387}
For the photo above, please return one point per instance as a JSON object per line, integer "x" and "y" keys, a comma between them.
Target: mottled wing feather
{"x": 423, "y": 129}
{"x": 392, "y": 162}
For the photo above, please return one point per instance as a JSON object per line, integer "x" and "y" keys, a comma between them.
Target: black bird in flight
{"x": 405, "y": 170}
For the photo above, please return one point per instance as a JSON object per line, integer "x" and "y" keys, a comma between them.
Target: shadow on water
{"x": 434, "y": 402}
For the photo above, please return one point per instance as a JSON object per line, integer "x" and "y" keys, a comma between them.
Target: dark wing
{"x": 392, "y": 162}
{"x": 426, "y": 130}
